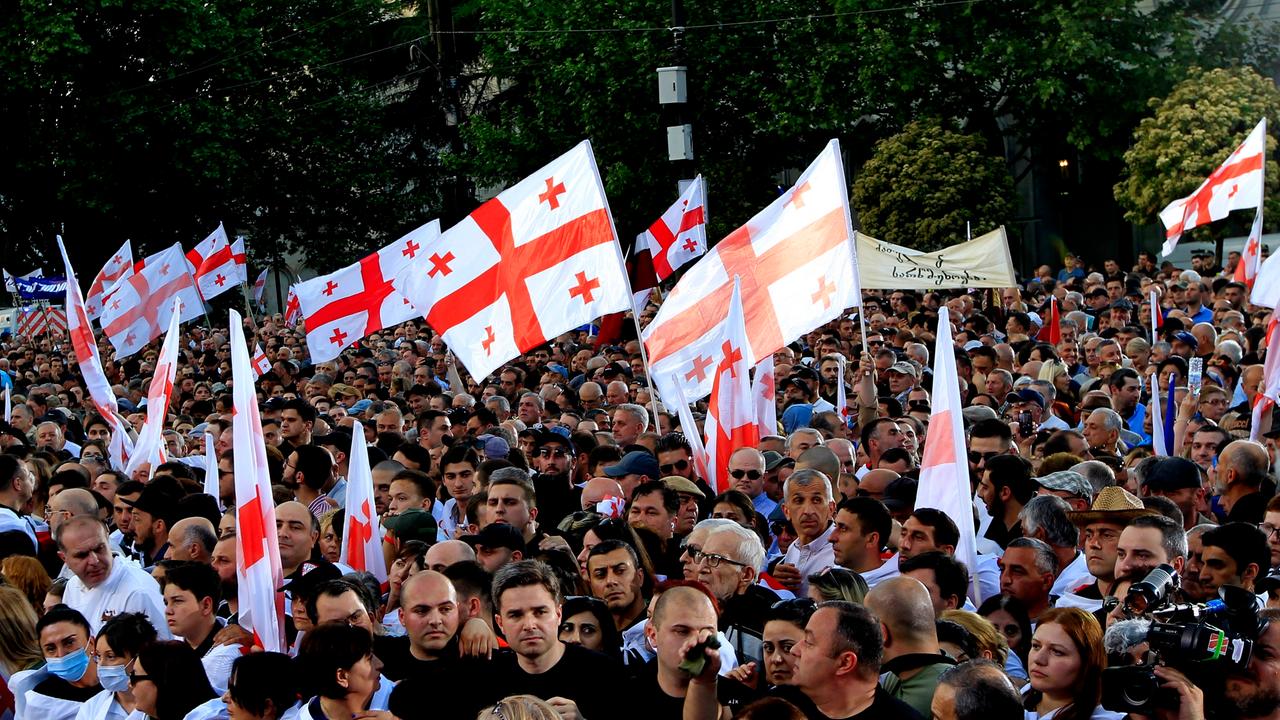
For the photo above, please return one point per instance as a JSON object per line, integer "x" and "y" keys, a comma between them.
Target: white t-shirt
{"x": 887, "y": 569}
{"x": 104, "y": 706}
{"x": 217, "y": 665}
{"x": 812, "y": 558}
{"x": 1073, "y": 576}
{"x": 128, "y": 588}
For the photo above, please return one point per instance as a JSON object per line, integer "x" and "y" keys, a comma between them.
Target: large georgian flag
{"x": 796, "y": 261}
{"x": 358, "y": 300}
{"x": 731, "y": 413}
{"x": 257, "y": 547}
{"x": 944, "y": 467}
{"x": 534, "y": 262}
{"x": 137, "y": 309}
{"x": 1237, "y": 184}
{"x": 117, "y": 267}
{"x": 206, "y": 247}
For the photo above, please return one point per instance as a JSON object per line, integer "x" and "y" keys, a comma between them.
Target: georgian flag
{"x": 362, "y": 536}
{"x": 764, "y": 395}
{"x": 731, "y": 414}
{"x": 226, "y": 267}
{"x": 150, "y": 447}
{"x": 118, "y": 266}
{"x": 1237, "y": 184}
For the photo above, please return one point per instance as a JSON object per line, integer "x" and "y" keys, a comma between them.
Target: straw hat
{"x": 1113, "y": 504}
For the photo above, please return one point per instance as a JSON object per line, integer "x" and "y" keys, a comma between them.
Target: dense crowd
{"x": 553, "y": 553}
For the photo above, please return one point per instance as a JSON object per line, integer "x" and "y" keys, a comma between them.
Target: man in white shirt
{"x": 105, "y": 586}
{"x": 808, "y": 503}
{"x": 16, "y": 487}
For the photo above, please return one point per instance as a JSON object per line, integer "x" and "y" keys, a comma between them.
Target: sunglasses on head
{"x": 750, "y": 474}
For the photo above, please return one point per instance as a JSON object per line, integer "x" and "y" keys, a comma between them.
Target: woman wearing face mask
{"x": 168, "y": 682}
{"x": 118, "y": 642}
{"x": 71, "y": 676}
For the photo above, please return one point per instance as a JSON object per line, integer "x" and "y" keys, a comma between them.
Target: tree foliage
{"x": 1191, "y": 132}
{"x": 922, "y": 185}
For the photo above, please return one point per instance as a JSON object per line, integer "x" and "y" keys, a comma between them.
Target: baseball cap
{"x": 803, "y": 372}
{"x": 1031, "y": 396}
{"x": 1172, "y": 473}
{"x": 360, "y": 406}
{"x": 275, "y": 403}
{"x": 1122, "y": 304}
{"x": 496, "y": 535}
{"x": 1186, "y": 337}
{"x": 412, "y": 524}
{"x": 1096, "y": 292}
{"x": 1067, "y": 481}
{"x": 903, "y": 367}
{"x": 549, "y": 436}
{"x": 681, "y": 484}
{"x": 159, "y": 499}
{"x": 637, "y": 462}
{"x": 493, "y": 447}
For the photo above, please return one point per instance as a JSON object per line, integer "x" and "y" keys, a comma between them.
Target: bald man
{"x": 681, "y": 618}
{"x": 450, "y": 552}
{"x": 1242, "y": 467}
{"x": 429, "y": 613}
{"x": 67, "y": 504}
{"x": 192, "y": 539}
{"x": 910, "y": 640}
{"x": 598, "y": 489}
{"x": 874, "y": 482}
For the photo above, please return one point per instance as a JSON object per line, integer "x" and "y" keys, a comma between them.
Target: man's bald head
{"x": 598, "y": 489}
{"x": 450, "y": 552}
{"x": 75, "y": 502}
{"x": 680, "y": 597}
{"x": 819, "y": 458}
{"x": 292, "y": 510}
{"x": 906, "y": 610}
{"x": 192, "y": 538}
{"x": 427, "y": 587}
{"x": 874, "y": 482}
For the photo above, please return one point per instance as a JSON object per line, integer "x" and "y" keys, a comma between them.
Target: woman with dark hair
{"x": 1067, "y": 659}
{"x": 168, "y": 681}
{"x": 119, "y": 641}
{"x": 1010, "y": 617}
{"x": 262, "y": 686}
{"x": 736, "y": 506}
{"x": 586, "y": 621}
{"x": 339, "y": 672}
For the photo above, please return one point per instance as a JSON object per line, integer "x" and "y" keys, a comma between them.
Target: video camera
{"x": 1193, "y": 637}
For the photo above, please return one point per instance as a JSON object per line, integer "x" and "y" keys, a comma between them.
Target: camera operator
{"x": 1254, "y": 693}
{"x": 1147, "y": 542}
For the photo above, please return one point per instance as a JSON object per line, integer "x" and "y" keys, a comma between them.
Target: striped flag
{"x": 362, "y": 537}
{"x": 763, "y": 394}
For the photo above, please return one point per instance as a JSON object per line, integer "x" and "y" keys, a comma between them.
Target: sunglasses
{"x": 749, "y": 474}
{"x": 978, "y": 458}
{"x": 677, "y": 466}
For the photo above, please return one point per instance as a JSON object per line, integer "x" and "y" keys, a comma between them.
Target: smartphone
{"x": 1025, "y": 428}
{"x": 1195, "y": 370}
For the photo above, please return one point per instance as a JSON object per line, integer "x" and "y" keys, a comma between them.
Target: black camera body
{"x": 1203, "y": 640}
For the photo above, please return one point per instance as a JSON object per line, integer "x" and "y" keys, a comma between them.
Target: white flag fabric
{"x": 1269, "y": 391}
{"x": 137, "y": 309}
{"x": 534, "y": 262}
{"x": 150, "y": 446}
{"x": 118, "y": 265}
{"x": 764, "y": 395}
{"x": 362, "y": 535}
{"x": 691, "y": 432}
{"x": 224, "y": 268}
{"x": 12, "y": 287}
{"x": 257, "y": 546}
{"x": 292, "y": 310}
{"x": 796, "y": 260}
{"x": 80, "y": 330}
{"x": 206, "y": 247}
{"x": 211, "y": 470}
{"x": 731, "y": 414}
{"x": 982, "y": 262}
{"x": 944, "y": 466}
{"x": 260, "y": 287}
{"x": 1236, "y": 184}
{"x": 358, "y": 300}
{"x": 1157, "y": 411}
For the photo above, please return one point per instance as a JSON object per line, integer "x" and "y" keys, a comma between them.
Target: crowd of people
{"x": 554, "y": 554}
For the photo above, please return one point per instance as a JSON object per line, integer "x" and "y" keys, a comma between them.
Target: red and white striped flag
{"x": 674, "y": 239}
{"x": 206, "y": 247}
{"x": 362, "y": 536}
{"x": 1157, "y": 421}
{"x": 944, "y": 467}
{"x": 117, "y": 267}
{"x": 1236, "y": 184}
{"x": 260, "y": 287}
{"x": 261, "y": 363}
{"x": 842, "y": 399}
{"x": 257, "y": 547}
{"x": 1269, "y": 391}
{"x": 85, "y": 346}
{"x": 150, "y": 446}
{"x": 226, "y": 267}
{"x": 731, "y": 415}
{"x": 764, "y": 394}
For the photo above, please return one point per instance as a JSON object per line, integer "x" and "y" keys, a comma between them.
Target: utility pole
{"x": 673, "y": 96}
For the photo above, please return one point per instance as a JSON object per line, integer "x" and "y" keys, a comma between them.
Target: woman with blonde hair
{"x": 19, "y": 643}
{"x": 520, "y": 707}
{"x": 1065, "y": 666}
{"x": 837, "y": 584}
{"x": 992, "y": 643}
{"x": 28, "y": 575}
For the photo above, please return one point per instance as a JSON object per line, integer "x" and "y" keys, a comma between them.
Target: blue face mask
{"x": 113, "y": 677}
{"x": 69, "y": 667}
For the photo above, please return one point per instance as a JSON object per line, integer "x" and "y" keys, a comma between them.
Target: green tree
{"x": 1191, "y": 132}
{"x": 922, "y": 185}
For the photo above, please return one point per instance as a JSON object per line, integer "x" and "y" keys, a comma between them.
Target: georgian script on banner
{"x": 41, "y": 288}
{"x": 983, "y": 262}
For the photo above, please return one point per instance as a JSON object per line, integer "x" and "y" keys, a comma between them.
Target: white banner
{"x": 983, "y": 262}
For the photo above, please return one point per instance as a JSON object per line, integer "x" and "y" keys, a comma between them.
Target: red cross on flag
{"x": 536, "y": 261}
{"x": 260, "y": 362}
{"x": 796, "y": 260}
{"x": 731, "y": 413}
{"x": 138, "y": 307}
{"x": 150, "y": 445}
{"x": 224, "y": 268}
{"x": 257, "y": 547}
{"x": 206, "y": 247}
{"x": 362, "y": 536}
{"x": 1237, "y": 184}
{"x": 292, "y": 310}
{"x": 80, "y": 330}
{"x": 674, "y": 239}
{"x": 944, "y": 466}
{"x": 764, "y": 395}
{"x": 118, "y": 265}
{"x": 358, "y": 300}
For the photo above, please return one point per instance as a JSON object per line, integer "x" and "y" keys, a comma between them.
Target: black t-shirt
{"x": 648, "y": 700}
{"x": 446, "y": 686}
{"x": 56, "y": 687}
{"x": 884, "y": 707}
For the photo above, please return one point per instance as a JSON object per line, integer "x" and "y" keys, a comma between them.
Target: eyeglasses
{"x": 1269, "y": 529}
{"x": 750, "y": 474}
{"x": 677, "y": 466}
{"x": 978, "y": 458}
{"x": 713, "y": 560}
{"x": 552, "y": 452}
